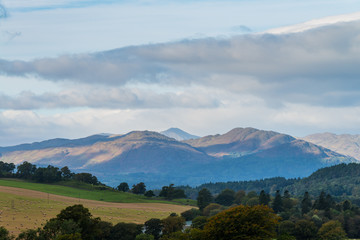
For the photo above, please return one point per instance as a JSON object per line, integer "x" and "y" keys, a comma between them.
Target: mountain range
{"x": 157, "y": 160}
{"x": 345, "y": 144}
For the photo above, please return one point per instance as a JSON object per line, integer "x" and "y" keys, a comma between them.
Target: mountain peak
{"x": 178, "y": 134}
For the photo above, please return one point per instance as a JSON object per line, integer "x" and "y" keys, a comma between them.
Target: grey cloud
{"x": 106, "y": 98}
{"x": 288, "y": 67}
{"x": 241, "y": 29}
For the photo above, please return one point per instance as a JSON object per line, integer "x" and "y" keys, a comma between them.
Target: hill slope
{"x": 345, "y": 143}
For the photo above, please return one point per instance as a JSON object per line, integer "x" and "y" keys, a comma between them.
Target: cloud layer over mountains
{"x": 319, "y": 66}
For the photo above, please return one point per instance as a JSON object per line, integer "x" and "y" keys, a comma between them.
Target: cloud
{"x": 241, "y": 29}
{"x": 109, "y": 98}
{"x": 319, "y": 66}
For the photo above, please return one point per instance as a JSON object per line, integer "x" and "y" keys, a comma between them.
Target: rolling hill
{"x": 158, "y": 160}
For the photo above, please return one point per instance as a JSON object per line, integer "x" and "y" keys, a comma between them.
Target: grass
{"x": 86, "y": 191}
{"x": 24, "y": 209}
{"x": 18, "y": 213}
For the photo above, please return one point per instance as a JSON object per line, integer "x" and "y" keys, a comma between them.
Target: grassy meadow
{"x": 25, "y": 205}
{"x": 86, "y": 191}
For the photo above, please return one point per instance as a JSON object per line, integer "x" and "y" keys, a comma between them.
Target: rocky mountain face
{"x": 157, "y": 160}
{"x": 345, "y": 144}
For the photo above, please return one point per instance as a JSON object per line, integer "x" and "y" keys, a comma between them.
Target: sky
{"x": 73, "y": 68}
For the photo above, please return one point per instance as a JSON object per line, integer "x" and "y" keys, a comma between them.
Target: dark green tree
{"x": 144, "y": 236}
{"x": 204, "y": 198}
{"x": 287, "y": 201}
{"x": 320, "y": 202}
{"x": 139, "y": 188}
{"x": 172, "y": 224}
{"x": 6, "y": 169}
{"x": 124, "y": 187}
{"x": 305, "y": 229}
{"x": 4, "y": 234}
{"x": 86, "y": 178}
{"x": 26, "y": 170}
{"x": 264, "y": 198}
{"x": 242, "y": 222}
{"x": 125, "y": 231}
{"x": 199, "y": 222}
{"x": 153, "y": 227}
{"x": 49, "y": 174}
{"x": 66, "y": 174}
{"x": 226, "y": 197}
{"x": 306, "y": 203}
{"x": 191, "y": 214}
{"x": 346, "y": 205}
{"x": 170, "y": 192}
{"x": 149, "y": 193}
{"x": 277, "y": 204}
{"x": 74, "y": 219}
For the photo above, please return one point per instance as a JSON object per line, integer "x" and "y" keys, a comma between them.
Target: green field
{"x": 86, "y": 191}
{"x": 27, "y": 205}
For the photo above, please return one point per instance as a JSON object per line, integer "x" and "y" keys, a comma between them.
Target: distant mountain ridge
{"x": 151, "y": 157}
{"x": 178, "y": 134}
{"x": 242, "y": 141}
{"x": 345, "y": 144}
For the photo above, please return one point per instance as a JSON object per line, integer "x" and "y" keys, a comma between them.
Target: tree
{"x": 306, "y": 203}
{"x": 204, "y": 198}
{"x": 346, "y": 205}
{"x": 286, "y": 228}
{"x": 264, "y": 198}
{"x": 66, "y": 174}
{"x": 287, "y": 201}
{"x": 226, "y": 197}
{"x": 29, "y": 234}
{"x": 4, "y": 234}
{"x": 153, "y": 227}
{"x": 144, "y": 236}
{"x": 124, "y": 187}
{"x": 212, "y": 209}
{"x": 139, "y": 188}
{"x": 26, "y": 170}
{"x": 125, "y": 231}
{"x": 242, "y": 222}
{"x": 6, "y": 169}
{"x": 277, "y": 204}
{"x": 172, "y": 224}
{"x": 191, "y": 214}
{"x": 199, "y": 222}
{"x": 332, "y": 230}
{"x": 170, "y": 192}
{"x": 305, "y": 229}
{"x": 86, "y": 178}
{"x": 149, "y": 193}
{"x": 239, "y": 196}
{"x": 48, "y": 175}
{"x": 71, "y": 220}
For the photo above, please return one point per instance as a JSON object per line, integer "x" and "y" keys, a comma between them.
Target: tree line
{"x": 341, "y": 181}
{"x": 49, "y": 174}
{"x": 306, "y": 217}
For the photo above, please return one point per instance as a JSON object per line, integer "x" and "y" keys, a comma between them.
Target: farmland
{"x": 22, "y": 209}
